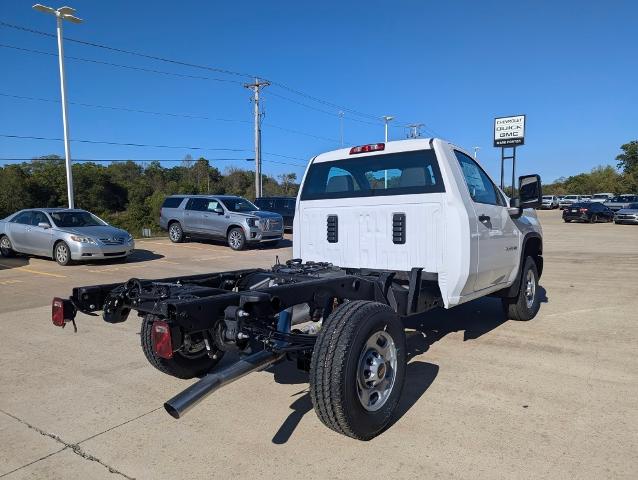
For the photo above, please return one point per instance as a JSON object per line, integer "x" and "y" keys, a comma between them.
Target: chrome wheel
{"x": 62, "y": 254}
{"x": 235, "y": 239}
{"x": 5, "y": 246}
{"x": 377, "y": 371}
{"x": 530, "y": 288}
{"x": 175, "y": 232}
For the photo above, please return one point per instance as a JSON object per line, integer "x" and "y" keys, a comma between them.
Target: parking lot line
{"x": 37, "y": 272}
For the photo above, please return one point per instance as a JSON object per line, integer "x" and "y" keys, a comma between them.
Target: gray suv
{"x": 234, "y": 219}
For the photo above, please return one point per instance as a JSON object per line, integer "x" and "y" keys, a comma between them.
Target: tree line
{"x": 126, "y": 194}
{"x": 129, "y": 195}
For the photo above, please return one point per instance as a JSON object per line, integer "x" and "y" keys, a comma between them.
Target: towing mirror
{"x": 529, "y": 191}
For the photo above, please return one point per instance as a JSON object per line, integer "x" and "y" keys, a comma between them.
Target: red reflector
{"x": 161, "y": 336}
{"x": 373, "y": 147}
{"x": 57, "y": 312}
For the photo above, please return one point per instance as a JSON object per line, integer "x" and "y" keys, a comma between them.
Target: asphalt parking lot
{"x": 485, "y": 398}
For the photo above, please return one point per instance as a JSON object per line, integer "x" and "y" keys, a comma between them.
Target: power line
{"x": 169, "y": 114}
{"x": 143, "y": 160}
{"x": 193, "y": 65}
{"x": 105, "y": 142}
{"x": 119, "y": 65}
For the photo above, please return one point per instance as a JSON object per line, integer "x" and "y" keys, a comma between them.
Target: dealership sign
{"x": 509, "y": 131}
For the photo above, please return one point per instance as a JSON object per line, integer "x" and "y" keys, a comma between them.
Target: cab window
{"x": 481, "y": 188}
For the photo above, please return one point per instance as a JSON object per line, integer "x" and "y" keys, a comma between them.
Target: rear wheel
{"x": 526, "y": 304}
{"x": 62, "y": 254}
{"x": 192, "y": 362}
{"x": 357, "y": 369}
{"x": 175, "y": 232}
{"x": 593, "y": 219}
{"x": 6, "y": 249}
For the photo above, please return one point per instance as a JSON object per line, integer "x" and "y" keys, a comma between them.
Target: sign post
{"x": 509, "y": 132}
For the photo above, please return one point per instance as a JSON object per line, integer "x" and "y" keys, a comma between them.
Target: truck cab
{"x": 421, "y": 203}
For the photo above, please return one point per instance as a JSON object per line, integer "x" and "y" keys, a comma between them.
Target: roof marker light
{"x": 373, "y": 147}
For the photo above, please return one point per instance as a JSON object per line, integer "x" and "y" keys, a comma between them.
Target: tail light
{"x": 161, "y": 337}
{"x": 62, "y": 312}
{"x": 583, "y": 210}
{"x": 373, "y": 147}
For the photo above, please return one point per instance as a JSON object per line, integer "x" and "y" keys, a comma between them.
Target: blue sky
{"x": 569, "y": 66}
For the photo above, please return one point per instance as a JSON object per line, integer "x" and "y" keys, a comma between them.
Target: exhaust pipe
{"x": 185, "y": 400}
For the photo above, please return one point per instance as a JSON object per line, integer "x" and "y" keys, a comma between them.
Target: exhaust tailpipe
{"x": 185, "y": 400}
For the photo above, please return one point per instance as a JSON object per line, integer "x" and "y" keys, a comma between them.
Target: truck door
{"x": 498, "y": 236}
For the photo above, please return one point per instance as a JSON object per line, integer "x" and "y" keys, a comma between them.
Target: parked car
{"x": 602, "y": 197}
{"x": 622, "y": 201}
{"x": 568, "y": 200}
{"x": 284, "y": 206}
{"x": 549, "y": 202}
{"x": 227, "y": 217}
{"x": 627, "y": 215}
{"x": 591, "y": 212}
{"x": 585, "y": 198}
{"x": 64, "y": 235}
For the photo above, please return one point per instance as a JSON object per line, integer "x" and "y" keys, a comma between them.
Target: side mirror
{"x": 218, "y": 210}
{"x": 530, "y": 191}
{"x": 44, "y": 225}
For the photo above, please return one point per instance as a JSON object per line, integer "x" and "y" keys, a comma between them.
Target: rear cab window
{"x": 400, "y": 173}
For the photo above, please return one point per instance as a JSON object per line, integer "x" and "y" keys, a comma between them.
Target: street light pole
{"x": 386, "y": 120}
{"x": 63, "y": 13}
{"x": 476, "y": 149}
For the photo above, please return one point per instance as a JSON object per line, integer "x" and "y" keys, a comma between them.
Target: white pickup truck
{"x": 385, "y": 231}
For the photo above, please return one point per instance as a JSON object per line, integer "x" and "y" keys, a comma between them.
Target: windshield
{"x": 76, "y": 219}
{"x": 239, "y": 205}
{"x": 388, "y": 174}
{"x": 633, "y": 206}
{"x": 571, "y": 197}
{"x": 547, "y": 197}
{"x": 601, "y": 196}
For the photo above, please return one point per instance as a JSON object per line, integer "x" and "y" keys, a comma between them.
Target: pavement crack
{"x": 75, "y": 448}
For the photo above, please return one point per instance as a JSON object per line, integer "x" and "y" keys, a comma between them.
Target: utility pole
{"x": 63, "y": 13}
{"x": 341, "y": 126}
{"x": 256, "y": 88}
{"x": 415, "y": 130}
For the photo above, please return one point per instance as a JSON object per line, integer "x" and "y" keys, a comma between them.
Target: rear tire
{"x": 179, "y": 366}
{"x": 566, "y": 221}
{"x": 593, "y": 219}
{"x": 6, "y": 249}
{"x": 62, "y": 254}
{"x": 358, "y": 368}
{"x": 175, "y": 232}
{"x": 526, "y": 304}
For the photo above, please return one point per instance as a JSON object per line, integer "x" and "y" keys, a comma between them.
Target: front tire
{"x": 62, "y": 254}
{"x": 6, "y": 249}
{"x": 175, "y": 232}
{"x": 358, "y": 368}
{"x": 236, "y": 239}
{"x": 593, "y": 219}
{"x": 185, "y": 366}
{"x": 525, "y": 305}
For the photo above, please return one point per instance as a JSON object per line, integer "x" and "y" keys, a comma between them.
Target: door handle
{"x": 484, "y": 218}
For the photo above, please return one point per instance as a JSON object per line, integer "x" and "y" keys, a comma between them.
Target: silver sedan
{"x": 64, "y": 235}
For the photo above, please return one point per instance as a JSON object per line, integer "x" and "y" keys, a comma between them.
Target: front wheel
{"x": 62, "y": 254}
{"x": 236, "y": 239}
{"x": 593, "y": 219}
{"x": 186, "y": 363}
{"x": 525, "y": 305}
{"x": 6, "y": 249}
{"x": 358, "y": 368}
